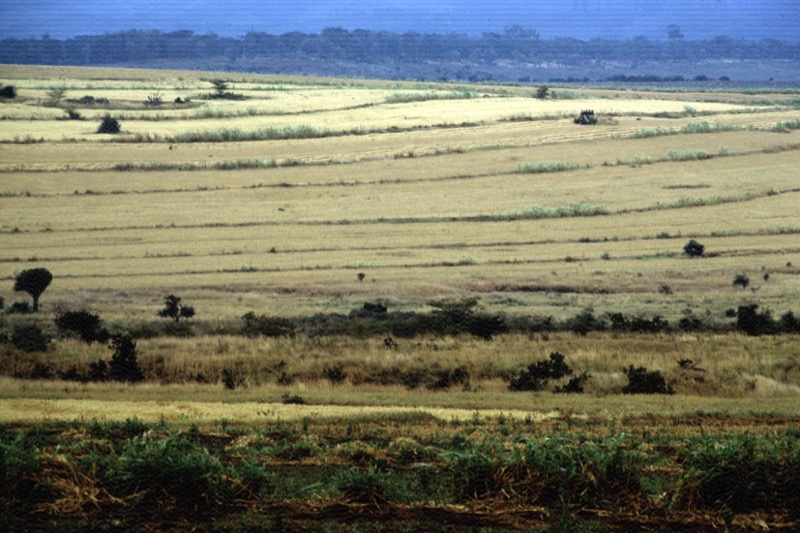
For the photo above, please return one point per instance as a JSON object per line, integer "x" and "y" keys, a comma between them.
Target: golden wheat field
{"x": 312, "y": 195}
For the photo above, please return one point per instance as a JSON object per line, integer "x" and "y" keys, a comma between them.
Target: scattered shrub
{"x": 8, "y": 91}
{"x": 88, "y": 326}
{"x": 574, "y": 385}
{"x": 124, "y": 365}
{"x": 293, "y": 400}
{"x": 109, "y": 125}
{"x": 155, "y": 99}
{"x": 29, "y": 338}
{"x": 789, "y": 323}
{"x": 643, "y": 381}
{"x": 541, "y": 92}
{"x": 693, "y": 249}
{"x": 537, "y": 375}
{"x": 444, "y": 379}
{"x": 335, "y": 374}
{"x": 266, "y": 325}
{"x": 19, "y": 308}
{"x": 751, "y": 322}
{"x": 741, "y": 279}
{"x": 99, "y": 371}
{"x": 231, "y": 379}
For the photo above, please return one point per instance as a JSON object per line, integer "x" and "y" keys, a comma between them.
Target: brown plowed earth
{"x": 500, "y": 515}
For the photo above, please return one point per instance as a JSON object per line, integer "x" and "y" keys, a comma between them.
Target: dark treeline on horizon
{"x": 515, "y": 44}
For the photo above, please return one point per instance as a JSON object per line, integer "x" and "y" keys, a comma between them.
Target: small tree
{"x": 155, "y": 99}
{"x": 88, "y": 326}
{"x": 741, "y": 279}
{"x": 109, "y": 125}
{"x": 174, "y": 309}
{"x": 694, "y": 249}
{"x": 123, "y": 365}
{"x": 33, "y": 281}
{"x": 541, "y": 92}
{"x": 55, "y": 94}
{"x": 220, "y": 88}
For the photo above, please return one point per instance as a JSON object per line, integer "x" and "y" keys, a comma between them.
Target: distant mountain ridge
{"x": 516, "y": 54}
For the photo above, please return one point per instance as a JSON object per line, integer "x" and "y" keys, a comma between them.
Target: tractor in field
{"x": 586, "y": 117}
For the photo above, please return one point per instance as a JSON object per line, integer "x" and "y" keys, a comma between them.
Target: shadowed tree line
{"x": 377, "y": 47}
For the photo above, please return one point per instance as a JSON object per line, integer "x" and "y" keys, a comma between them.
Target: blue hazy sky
{"x": 584, "y": 19}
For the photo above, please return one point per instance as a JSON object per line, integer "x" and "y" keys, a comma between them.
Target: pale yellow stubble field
{"x": 403, "y": 219}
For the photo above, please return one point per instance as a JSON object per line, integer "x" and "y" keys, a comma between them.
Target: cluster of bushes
{"x": 456, "y": 317}
{"x": 537, "y": 376}
{"x": 89, "y": 328}
{"x": 654, "y": 78}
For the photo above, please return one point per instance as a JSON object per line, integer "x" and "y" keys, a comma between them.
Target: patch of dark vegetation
{"x": 109, "y": 125}
{"x": 134, "y": 475}
{"x": 538, "y": 374}
{"x": 643, "y": 381}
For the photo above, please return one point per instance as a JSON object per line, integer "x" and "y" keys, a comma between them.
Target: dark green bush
{"x": 8, "y": 91}
{"x": 574, "y": 385}
{"x": 335, "y": 373}
{"x": 751, "y": 322}
{"x": 267, "y": 326}
{"x": 694, "y": 249}
{"x": 538, "y": 374}
{"x": 643, "y": 381}
{"x": 231, "y": 379}
{"x": 109, "y": 125}
{"x": 124, "y": 365}
{"x": 29, "y": 338}
{"x": 444, "y": 379}
{"x": 88, "y": 326}
{"x": 19, "y": 308}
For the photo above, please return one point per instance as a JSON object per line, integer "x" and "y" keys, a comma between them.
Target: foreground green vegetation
{"x": 407, "y": 469}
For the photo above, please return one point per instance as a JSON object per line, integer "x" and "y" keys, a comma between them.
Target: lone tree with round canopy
{"x": 33, "y": 281}
{"x": 174, "y": 309}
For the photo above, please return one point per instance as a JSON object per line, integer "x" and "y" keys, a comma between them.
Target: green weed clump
{"x": 688, "y": 155}
{"x": 783, "y": 127}
{"x": 406, "y": 98}
{"x": 238, "y": 135}
{"x": 741, "y": 473}
{"x": 692, "y": 127}
{"x": 534, "y": 212}
{"x": 542, "y": 168}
